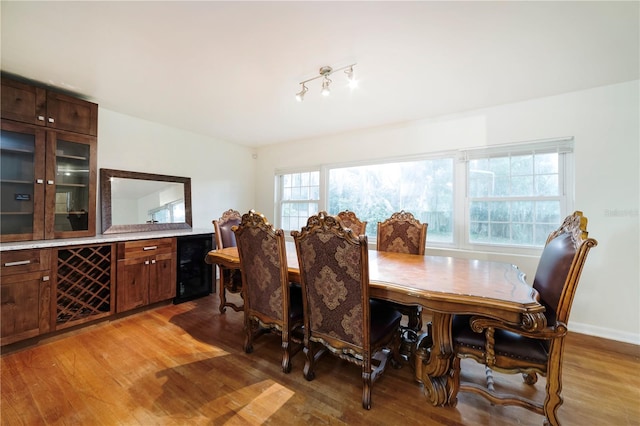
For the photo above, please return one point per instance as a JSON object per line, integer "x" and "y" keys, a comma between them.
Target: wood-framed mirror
{"x": 142, "y": 202}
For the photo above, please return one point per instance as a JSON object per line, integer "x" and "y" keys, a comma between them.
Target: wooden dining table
{"x": 444, "y": 286}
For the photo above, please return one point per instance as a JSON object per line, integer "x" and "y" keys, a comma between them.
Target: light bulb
{"x": 325, "y": 87}
{"x": 301, "y": 93}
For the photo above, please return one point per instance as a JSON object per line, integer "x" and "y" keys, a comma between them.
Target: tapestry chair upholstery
{"x": 511, "y": 349}
{"x": 230, "y": 279}
{"x": 339, "y": 316}
{"x": 403, "y": 233}
{"x": 351, "y": 221}
{"x": 271, "y": 302}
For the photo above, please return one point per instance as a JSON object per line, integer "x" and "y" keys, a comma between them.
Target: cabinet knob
{"x": 45, "y": 278}
{"x": 49, "y": 182}
{"x": 41, "y": 118}
{"x": 41, "y": 181}
{"x": 153, "y": 262}
{"x": 52, "y": 120}
{"x": 146, "y": 262}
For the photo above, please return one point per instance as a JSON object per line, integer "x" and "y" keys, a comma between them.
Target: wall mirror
{"x": 139, "y": 202}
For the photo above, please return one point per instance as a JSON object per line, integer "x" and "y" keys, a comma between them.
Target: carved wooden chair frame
{"x": 257, "y": 318}
{"x": 351, "y": 221}
{"x": 372, "y": 359}
{"x": 414, "y": 313}
{"x": 575, "y": 226}
{"x": 230, "y": 280}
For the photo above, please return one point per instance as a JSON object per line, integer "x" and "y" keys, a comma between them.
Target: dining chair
{"x": 513, "y": 349}
{"x": 351, "y": 221}
{"x": 403, "y": 233}
{"x": 339, "y": 316}
{"x": 230, "y": 279}
{"x": 271, "y": 302}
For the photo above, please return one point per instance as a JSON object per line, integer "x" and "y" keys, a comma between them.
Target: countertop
{"x": 101, "y": 239}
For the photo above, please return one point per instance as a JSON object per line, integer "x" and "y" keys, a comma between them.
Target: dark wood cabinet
{"x": 48, "y": 170}
{"x": 25, "y": 294}
{"x": 146, "y": 272}
{"x": 31, "y": 104}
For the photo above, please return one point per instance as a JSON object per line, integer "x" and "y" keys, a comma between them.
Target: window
{"x": 299, "y": 198}
{"x": 516, "y": 195}
{"x": 374, "y": 192}
{"x": 507, "y": 196}
{"x": 169, "y": 213}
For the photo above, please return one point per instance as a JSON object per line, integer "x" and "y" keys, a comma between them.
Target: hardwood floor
{"x": 183, "y": 364}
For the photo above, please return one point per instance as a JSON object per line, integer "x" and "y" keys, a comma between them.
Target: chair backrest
{"x": 263, "y": 260}
{"x": 222, "y": 228}
{"x": 560, "y": 267}
{"x": 351, "y": 221}
{"x": 402, "y": 233}
{"x": 334, "y": 274}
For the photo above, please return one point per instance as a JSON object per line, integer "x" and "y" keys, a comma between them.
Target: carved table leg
{"x": 435, "y": 368}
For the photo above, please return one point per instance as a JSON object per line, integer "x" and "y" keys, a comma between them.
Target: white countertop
{"x": 102, "y": 239}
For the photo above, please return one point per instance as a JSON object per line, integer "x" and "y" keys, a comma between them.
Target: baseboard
{"x": 605, "y": 333}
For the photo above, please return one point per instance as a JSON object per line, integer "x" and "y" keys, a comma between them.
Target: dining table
{"x": 445, "y": 286}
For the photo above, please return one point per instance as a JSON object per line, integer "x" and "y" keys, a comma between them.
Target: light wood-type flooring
{"x": 184, "y": 365}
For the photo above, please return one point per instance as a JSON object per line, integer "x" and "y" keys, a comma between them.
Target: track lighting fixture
{"x": 324, "y": 73}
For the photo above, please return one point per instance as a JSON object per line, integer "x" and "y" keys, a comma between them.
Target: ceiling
{"x": 230, "y": 70}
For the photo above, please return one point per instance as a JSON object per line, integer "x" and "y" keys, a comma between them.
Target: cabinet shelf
{"x": 72, "y": 157}
{"x": 16, "y": 213}
{"x": 75, "y": 185}
{"x": 21, "y": 182}
{"x": 17, "y": 151}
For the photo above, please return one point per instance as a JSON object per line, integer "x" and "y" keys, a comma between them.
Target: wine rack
{"x": 83, "y": 284}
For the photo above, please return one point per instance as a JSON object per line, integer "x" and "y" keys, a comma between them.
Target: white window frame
{"x": 461, "y": 200}
{"x": 566, "y": 175}
{"x": 279, "y": 201}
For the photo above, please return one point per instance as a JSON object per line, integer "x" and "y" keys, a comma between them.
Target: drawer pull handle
{"x": 18, "y": 263}
{"x": 149, "y": 248}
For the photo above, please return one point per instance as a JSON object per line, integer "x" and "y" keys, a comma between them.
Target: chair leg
{"x": 415, "y": 318}
{"x": 227, "y": 282}
{"x": 286, "y": 355}
{"x": 248, "y": 336}
{"x": 308, "y": 370}
{"x": 366, "y": 388}
{"x": 223, "y": 297}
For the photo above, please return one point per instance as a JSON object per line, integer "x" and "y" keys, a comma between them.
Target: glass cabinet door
{"x": 72, "y": 175}
{"x": 21, "y": 182}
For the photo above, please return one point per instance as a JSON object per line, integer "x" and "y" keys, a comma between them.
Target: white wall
{"x": 222, "y": 174}
{"x": 605, "y": 124}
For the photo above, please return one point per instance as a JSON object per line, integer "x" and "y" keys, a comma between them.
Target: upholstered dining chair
{"x": 339, "y": 316}
{"x": 511, "y": 349}
{"x": 351, "y": 221}
{"x": 230, "y": 279}
{"x": 271, "y": 303}
{"x": 403, "y": 233}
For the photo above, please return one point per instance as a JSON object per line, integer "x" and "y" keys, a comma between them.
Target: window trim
{"x": 566, "y": 177}
{"x": 461, "y": 200}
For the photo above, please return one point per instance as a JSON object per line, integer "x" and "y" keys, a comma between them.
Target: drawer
{"x": 152, "y": 247}
{"x": 22, "y": 261}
